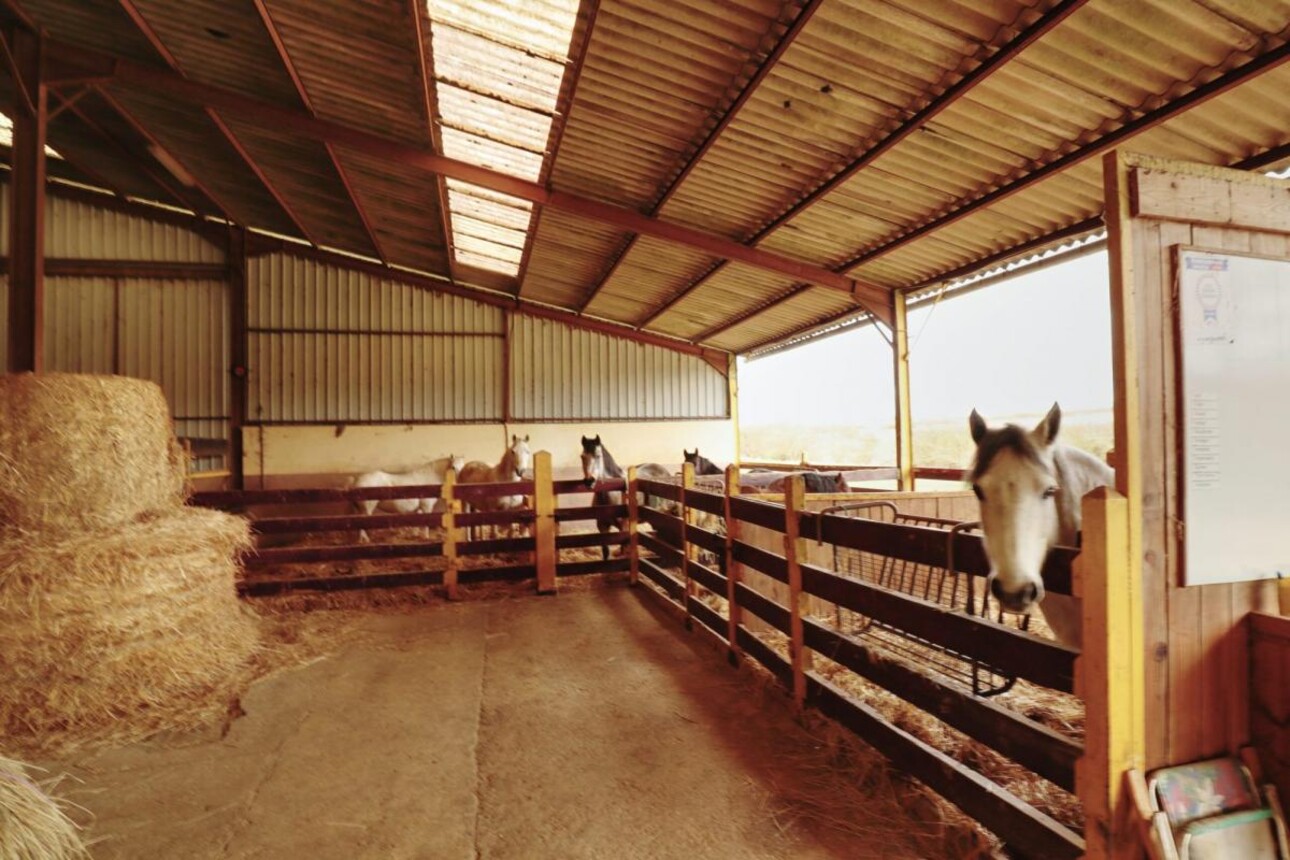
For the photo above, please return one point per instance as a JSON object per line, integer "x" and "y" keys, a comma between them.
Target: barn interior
{"x": 349, "y": 237}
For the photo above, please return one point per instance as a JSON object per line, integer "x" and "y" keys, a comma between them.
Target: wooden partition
{"x": 1270, "y": 696}
{"x": 1194, "y": 655}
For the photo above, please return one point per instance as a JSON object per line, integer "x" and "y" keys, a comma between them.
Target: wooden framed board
{"x": 1233, "y": 318}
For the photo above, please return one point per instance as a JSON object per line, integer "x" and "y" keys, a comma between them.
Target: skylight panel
{"x": 6, "y": 136}
{"x": 498, "y": 68}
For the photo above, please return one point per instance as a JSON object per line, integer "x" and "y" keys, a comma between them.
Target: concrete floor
{"x": 584, "y": 726}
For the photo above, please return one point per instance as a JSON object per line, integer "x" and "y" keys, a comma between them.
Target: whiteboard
{"x": 1234, "y": 332}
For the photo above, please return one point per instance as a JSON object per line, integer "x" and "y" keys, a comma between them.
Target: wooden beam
{"x": 251, "y": 164}
{"x": 795, "y": 551}
{"x": 27, "y": 206}
{"x": 544, "y": 527}
{"x": 69, "y": 267}
{"x": 127, "y": 73}
{"x": 734, "y": 573}
{"x": 1226, "y": 198}
{"x": 633, "y": 523}
{"x": 239, "y": 353}
{"x": 904, "y": 415}
{"x": 430, "y": 104}
{"x": 441, "y": 284}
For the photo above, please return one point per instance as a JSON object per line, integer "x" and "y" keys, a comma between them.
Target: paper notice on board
{"x": 1235, "y": 409}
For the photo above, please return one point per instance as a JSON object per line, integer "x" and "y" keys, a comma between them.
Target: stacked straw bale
{"x": 119, "y": 614}
{"x": 33, "y": 823}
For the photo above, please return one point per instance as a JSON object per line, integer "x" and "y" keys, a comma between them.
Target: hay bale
{"x": 79, "y": 451}
{"x": 33, "y": 825}
{"x": 115, "y": 635}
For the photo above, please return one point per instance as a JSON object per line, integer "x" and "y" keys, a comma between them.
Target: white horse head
{"x": 593, "y": 460}
{"x": 520, "y": 455}
{"x": 1016, "y": 478}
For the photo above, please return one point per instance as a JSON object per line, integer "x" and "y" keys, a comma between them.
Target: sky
{"x": 1011, "y": 348}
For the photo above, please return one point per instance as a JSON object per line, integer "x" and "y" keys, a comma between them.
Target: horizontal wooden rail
{"x": 758, "y": 513}
{"x": 660, "y": 520}
{"x": 1009, "y": 651}
{"x": 777, "y": 664}
{"x": 707, "y": 577}
{"x": 704, "y": 539}
{"x": 667, "y": 553}
{"x": 934, "y": 473}
{"x": 674, "y": 587}
{"x": 710, "y": 618}
{"x": 353, "y": 522}
{"x": 590, "y": 512}
{"x": 243, "y": 498}
{"x": 774, "y": 614}
{"x": 662, "y": 489}
{"x": 773, "y": 565}
{"x": 579, "y": 568}
{"x": 495, "y": 545}
{"x": 924, "y": 545}
{"x": 514, "y": 517}
{"x": 703, "y": 500}
{"x": 492, "y": 489}
{"x": 1024, "y": 828}
{"x": 577, "y": 485}
{"x": 357, "y": 552}
{"x": 1037, "y": 747}
{"x": 585, "y": 539}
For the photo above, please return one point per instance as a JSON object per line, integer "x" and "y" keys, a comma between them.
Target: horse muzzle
{"x": 1020, "y": 600}
{"x": 589, "y": 482}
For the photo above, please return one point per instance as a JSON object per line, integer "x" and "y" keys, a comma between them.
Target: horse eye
{"x": 976, "y": 488}
{"x": 1050, "y": 492}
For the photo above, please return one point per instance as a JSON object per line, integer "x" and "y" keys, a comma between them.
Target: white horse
{"x": 516, "y": 460}
{"x": 1030, "y": 490}
{"x": 431, "y": 473}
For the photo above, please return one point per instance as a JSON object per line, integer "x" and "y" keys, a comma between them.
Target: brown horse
{"x": 516, "y": 460}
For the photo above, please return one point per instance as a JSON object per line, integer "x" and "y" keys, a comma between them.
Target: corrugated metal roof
{"x": 894, "y": 141}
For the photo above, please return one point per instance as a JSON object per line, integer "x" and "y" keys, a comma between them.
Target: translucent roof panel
{"x": 498, "y": 68}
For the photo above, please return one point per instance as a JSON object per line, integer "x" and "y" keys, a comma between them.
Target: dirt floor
{"x": 588, "y": 725}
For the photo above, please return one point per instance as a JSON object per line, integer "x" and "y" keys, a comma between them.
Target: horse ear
{"x": 1046, "y": 431}
{"x": 977, "y": 425}
{"x": 597, "y": 438}
{"x": 526, "y": 437}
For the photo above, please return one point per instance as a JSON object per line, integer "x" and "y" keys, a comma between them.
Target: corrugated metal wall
{"x": 562, "y": 373}
{"x": 78, "y": 230}
{"x": 172, "y": 332}
{"x": 333, "y": 345}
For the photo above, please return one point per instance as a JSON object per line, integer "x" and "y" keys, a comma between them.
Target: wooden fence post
{"x": 451, "y": 505}
{"x": 633, "y": 522}
{"x": 732, "y": 567}
{"x": 1109, "y": 674}
{"x": 794, "y": 552}
{"x": 687, "y": 481}
{"x": 544, "y": 522}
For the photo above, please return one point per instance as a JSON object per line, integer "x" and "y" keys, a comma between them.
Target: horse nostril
{"x": 589, "y": 482}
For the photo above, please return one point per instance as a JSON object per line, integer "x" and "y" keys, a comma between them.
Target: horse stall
{"x": 311, "y": 310}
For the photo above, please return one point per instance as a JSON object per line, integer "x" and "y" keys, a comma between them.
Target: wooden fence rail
{"x": 1006, "y": 650}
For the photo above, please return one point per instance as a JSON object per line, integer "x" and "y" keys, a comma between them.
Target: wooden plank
{"x": 904, "y": 413}
{"x": 1220, "y": 197}
{"x": 309, "y": 554}
{"x": 673, "y": 587}
{"x": 763, "y": 514}
{"x": 590, "y": 512}
{"x": 451, "y": 533}
{"x": 296, "y": 525}
{"x": 706, "y": 577}
{"x": 764, "y": 608}
{"x": 544, "y": 529}
{"x": 763, "y": 561}
{"x": 30, "y": 114}
{"x": 774, "y": 662}
{"x": 575, "y": 541}
{"x": 577, "y": 485}
{"x": 662, "y": 489}
{"x": 1006, "y": 649}
{"x": 1111, "y": 677}
{"x": 228, "y": 499}
{"x": 633, "y": 524}
{"x": 1024, "y": 828}
{"x": 704, "y": 539}
{"x": 1046, "y": 752}
{"x": 687, "y": 551}
{"x": 581, "y": 568}
{"x": 794, "y": 550}
{"x": 706, "y": 501}
{"x": 401, "y": 579}
{"x": 734, "y": 571}
{"x": 494, "y": 546}
{"x": 662, "y": 523}
{"x": 666, "y": 553}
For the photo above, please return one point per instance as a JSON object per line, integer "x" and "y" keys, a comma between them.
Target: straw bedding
{"x": 81, "y": 451}
{"x": 33, "y": 825}
{"x": 121, "y": 633}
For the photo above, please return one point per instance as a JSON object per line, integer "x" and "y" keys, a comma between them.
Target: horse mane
{"x": 612, "y": 469}
{"x": 1007, "y": 438}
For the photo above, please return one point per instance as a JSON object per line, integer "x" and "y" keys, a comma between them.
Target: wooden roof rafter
{"x": 266, "y": 17}
{"x": 583, "y": 30}
{"x": 739, "y": 94}
{"x": 430, "y": 102}
{"x": 946, "y": 94}
{"x": 131, "y": 74}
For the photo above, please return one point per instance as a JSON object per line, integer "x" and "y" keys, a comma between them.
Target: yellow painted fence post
{"x": 687, "y": 481}
{"x": 633, "y": 522}
{"x": 544, "y": 522}
{"x": 732, "y": 566}
{"x": 904, "y": 413}
{"x": 1109, "y": 677}
{"x": 450, "y": 507}
{"x": 794, "y": 552}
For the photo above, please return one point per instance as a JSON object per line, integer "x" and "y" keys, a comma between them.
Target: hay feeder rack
{"x": 945, "y": 586}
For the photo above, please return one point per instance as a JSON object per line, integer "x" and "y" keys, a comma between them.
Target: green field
{"x": 936, "y": 443}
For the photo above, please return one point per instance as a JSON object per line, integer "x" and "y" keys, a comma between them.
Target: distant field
{"x": 943, "y": 444}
